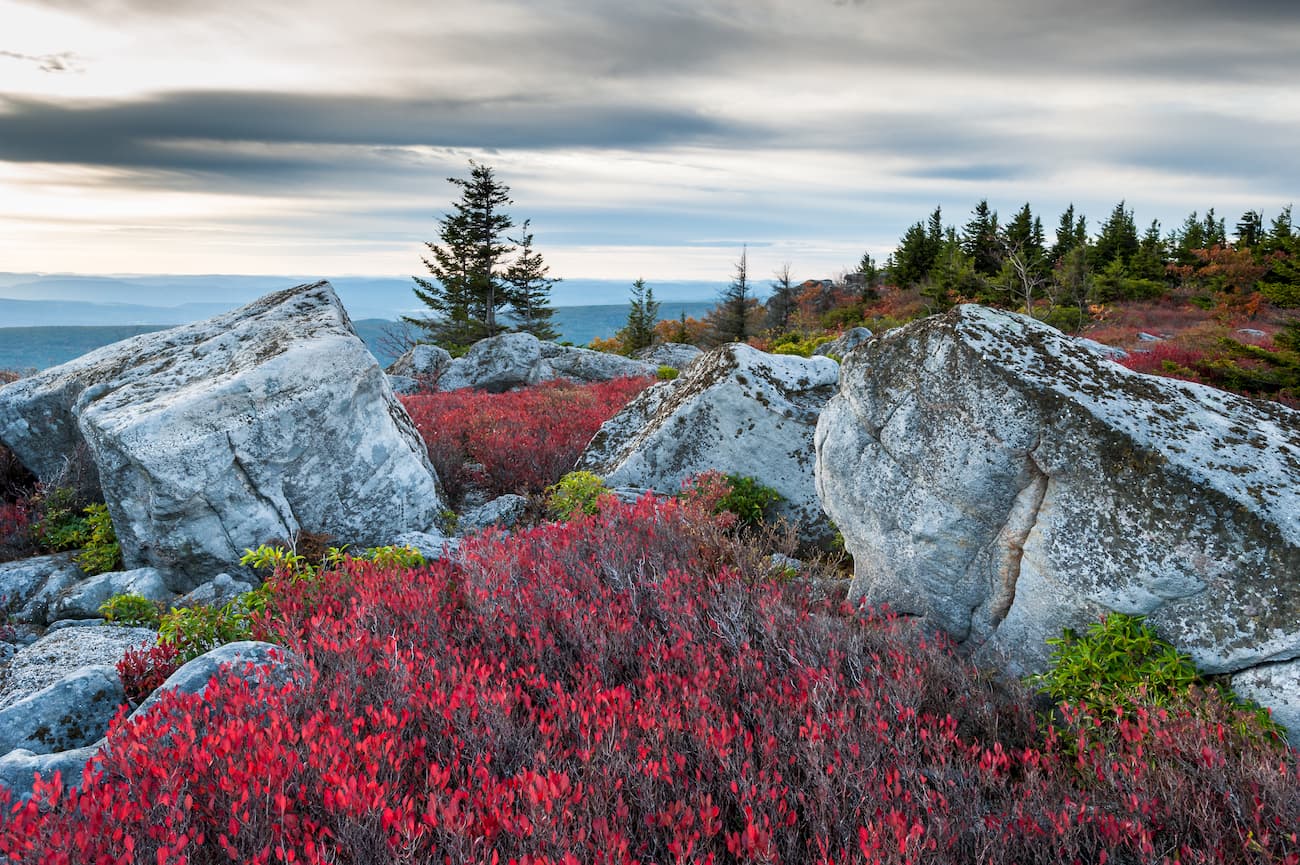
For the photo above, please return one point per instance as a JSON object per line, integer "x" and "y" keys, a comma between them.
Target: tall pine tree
{"x": 639, "y": 332}
{"x": 730, "y": 319}
{"x": 530, "y": 289}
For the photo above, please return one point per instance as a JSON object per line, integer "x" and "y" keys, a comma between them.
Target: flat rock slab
{"x": 217, "y": 436}
{"x": 60, "y": 653}
{"x": 737, "y": 410}
{"x": 994, "y": 476}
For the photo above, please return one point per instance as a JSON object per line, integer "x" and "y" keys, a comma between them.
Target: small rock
{"x": 1250, "y": 331}
{"x": 421, "y": 362}
{"x": 403, "y": 384}
{"x": 678, "y": 355}
{"x": 71, "y": 713}
{"x": 1107, "y": 351}
{"x": 1149, "y": 337}
{"x": 19, "y": 768}
{"x": 216, "y": 592}
{"x": 1276, "y": 685}
{"x": 432, "y": 546}
{"x": 844, "y": 343}
{"x": 503, "y": 512}
{"x": 61, "y": 624}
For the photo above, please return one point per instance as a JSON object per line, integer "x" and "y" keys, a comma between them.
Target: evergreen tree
{"x": 783, "y": 300}
{"x": 468, "y": 288}
{"x": 1149, "y": 263}
{"x": 1184, "y": 242}
{"x": 870, "y": 275}
{"x": 639, "y": 332}
{"x": 917, "y": 250}
{"x": 953, "y": 275}
{"x": 729, "y": 320}
{"x": 1071, "y": 232}
{"x": 1216, "y": 233}
{"x": 529, "y": 289}
{"x": 1024, "y": 233}
{"x": 1118, "y": 240}
{"x": 1250, "y": 229}
{"x": 1281, "y": 284}
{"x": 980, "y": 240}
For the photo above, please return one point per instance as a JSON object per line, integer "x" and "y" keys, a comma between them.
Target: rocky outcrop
{"x": 63, "y": 652}
{"x": 29, "y": 586}
{"x": 678, "y": 355}
{"x": 1005, "y": 482}
{"x": 513, "y": 360}
{"x": 421, "y": 362}
{"x": 844, "y": 343}
{"x": 71, "y": 713}
{"x": 216, "y": 436}
{"x": 738, "y": 410}
{"x": 503, "y": 512}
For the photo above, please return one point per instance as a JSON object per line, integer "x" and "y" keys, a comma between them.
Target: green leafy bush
{"x": 62, "y": 525}
{"x": 131, "y": 610}
{"x": 666, "y": 373}
{"x": 576, "y": 492}
{"x": 100, "y": 552}
{"x": 1118, "y": 663}
{"x": 793, "y": 343}
{"x": 196, "y": 630}
{"x": 748, "y": 499}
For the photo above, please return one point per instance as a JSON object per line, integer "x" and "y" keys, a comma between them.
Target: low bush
{"x": 143, "y": 669}
{"x": 666, "y": 373}
{"x": 594, "y": 691}
{"x": 100, "y": 551}
{"x": 517, "y": 442}
{"x": 575, "y": 493}
{"x": 132, "y": 610}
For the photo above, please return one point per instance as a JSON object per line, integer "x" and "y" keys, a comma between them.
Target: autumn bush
{"x": 521, "y": 441}
{"x": 602, "y": 691}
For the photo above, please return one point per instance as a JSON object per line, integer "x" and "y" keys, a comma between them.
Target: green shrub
{"x": 63, "y": 525}
{"x": 395, "y": 557}
{"x": 195, "y": 630}
{"x": 1067, "y": 319}
{"x": 1119, "y": 662}
{"x": 666, "y": 373}
{"x": 576, "y": 492}
{"x": 100, "y": 552}
{"x": 748, "y": 499}
{"x": 792, "y": 343}
{"x": 131, "y": 610}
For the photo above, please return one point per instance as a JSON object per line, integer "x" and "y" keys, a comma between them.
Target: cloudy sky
{"x": 641, "y": 138}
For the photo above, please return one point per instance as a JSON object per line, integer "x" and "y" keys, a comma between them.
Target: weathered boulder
{"x": 844, "y": 343}
{"x": 503, "y": 512}
{"x": 421, "y": 362}
{"x": 402, "y": 384}
{"x": 83, "y": 600}
{"x": 991, "y": 474}
{"x": 62, "y": 652}
{"x": 216, "y": 592}
{"x": 249, "y": 660}
{"x": 738, "y": 410}
{"x": 19, "y": 769}
{"x": 432, "y": 546}
{"x": 678, "y": 355}
{"x": 29, "y": 586}
{"x": 71, "y": 713}
{"x": 1276, "y": 686}
{"x": 515, "y": 359}
{"x": 218, "y": 435}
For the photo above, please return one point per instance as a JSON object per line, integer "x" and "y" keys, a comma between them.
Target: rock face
{"x": 678, "y": 355}
{"x": 83, "y": 600}
{"x": 72, "y": 713}
{"x": 841, "y": 345}
{"x": 29, "y": 586}
{"x": 994, "y": 476}
{"x": 738, "y": 410}
{"x": 219, "y": 435}
{"x": 515, "y": 359}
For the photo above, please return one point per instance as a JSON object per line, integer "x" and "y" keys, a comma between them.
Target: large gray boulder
{"x": 844, "y": 343}
{"x": 71, "y": 713}
{"x": 249, "y": 660}
{"x": 63, "y": 652}
{"x": 219, "y": 435}
{"x": 1005, "y": 482}
{"x": 421, "y": 362}
{"x": 678, "y": 355}
{"x": 29, "y": 586}
{"x": 513, "y": 360}
{"x": 737, "y": 410}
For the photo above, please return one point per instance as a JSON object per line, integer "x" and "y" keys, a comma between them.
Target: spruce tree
{"x": 639, "y": 332}
{"x": 530, "y": 289}
{"x": 730, "y": 318}
{"x": 783, "y": 300}
{"x": 1118, "y": 240}
{"x": 980, "y": 240}
{"x": 468, "y": 288}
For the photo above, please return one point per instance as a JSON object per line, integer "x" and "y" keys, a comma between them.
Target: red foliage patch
{"x": 15, "y": 530}
{"x": 516, "y": 442}
{"x": 144, "y": 669}
{"x": 592, "y": 692}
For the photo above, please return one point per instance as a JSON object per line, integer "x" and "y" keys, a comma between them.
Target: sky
{"x": 649, "y": 139}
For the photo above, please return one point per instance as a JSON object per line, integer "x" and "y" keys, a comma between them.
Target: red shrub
{"x": 516, "y": 442}
{"x": 1166, "y": 358}
{"x": 16, "y": 540}
{"x": 143, "y": 669}
{"x": 590, "y": 692}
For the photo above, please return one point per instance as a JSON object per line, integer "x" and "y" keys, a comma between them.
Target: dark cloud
{"x": 203, "y": 131}
{"x": 65, "y": 61}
